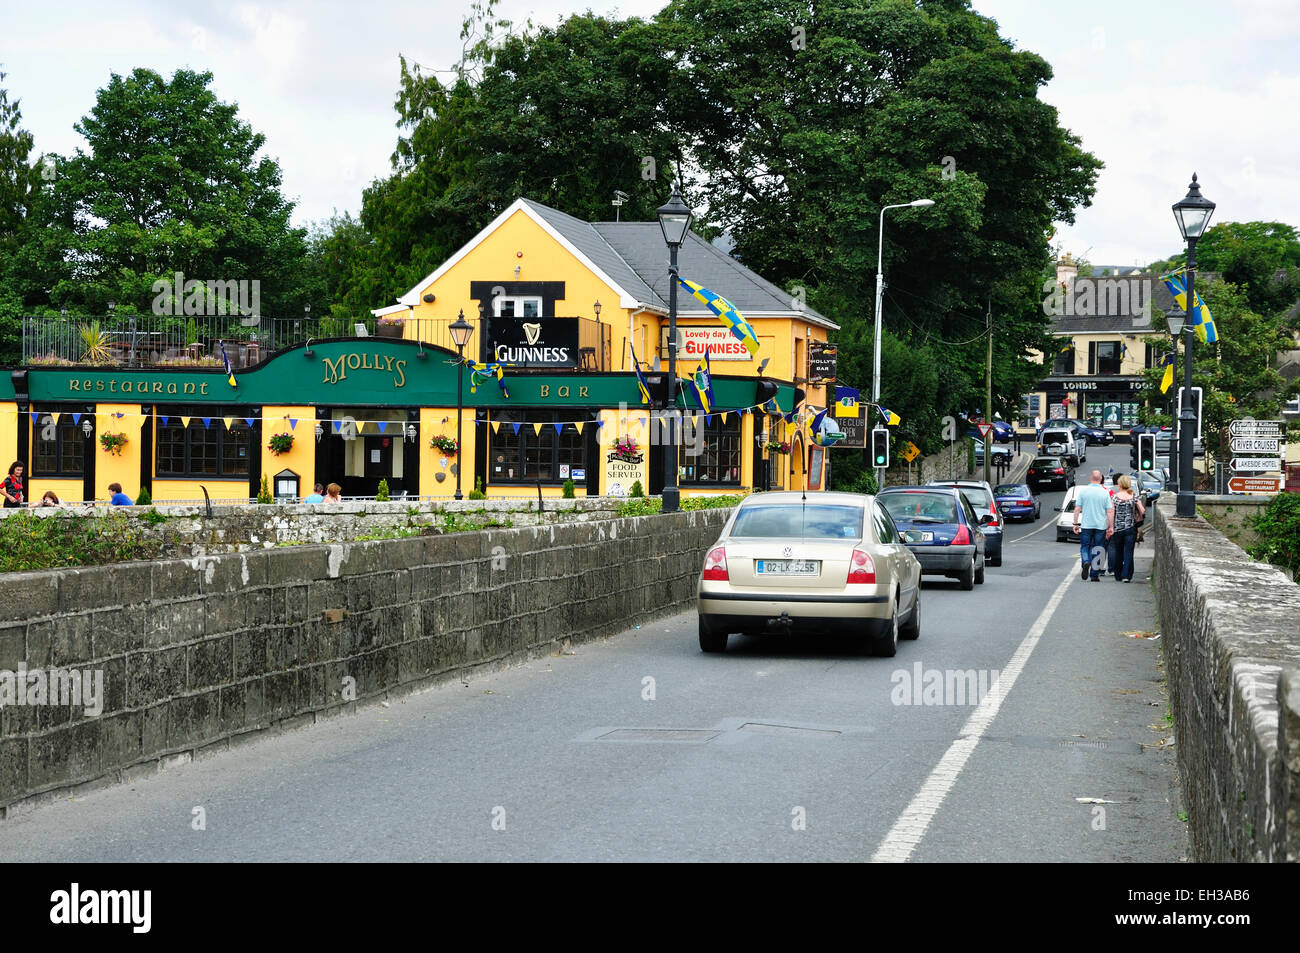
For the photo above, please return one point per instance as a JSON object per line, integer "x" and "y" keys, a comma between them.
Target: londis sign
{"x": 336, "y": 369}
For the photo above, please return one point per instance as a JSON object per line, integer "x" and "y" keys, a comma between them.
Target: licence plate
{"x": 788, "y": 567}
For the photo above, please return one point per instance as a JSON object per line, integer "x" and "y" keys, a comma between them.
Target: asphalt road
{"x": 783, "y": 749}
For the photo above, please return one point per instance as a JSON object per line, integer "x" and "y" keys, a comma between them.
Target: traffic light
{"x": 1146, "y": 451}
{"x": 765, "y": 390}
{"x": 880, "y": 447}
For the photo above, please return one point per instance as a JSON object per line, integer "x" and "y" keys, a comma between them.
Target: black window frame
{"x": 1109, "y": 366}
{"x": 1063, "y": 363}
{"x": 164, "y": 441}
{"x": 730, "y": 431}
{"x": 61, "y": 425}
{"x": 547, "y": 448}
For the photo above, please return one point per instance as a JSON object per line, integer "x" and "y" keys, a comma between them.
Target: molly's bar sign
{"x": 336, "y": 369}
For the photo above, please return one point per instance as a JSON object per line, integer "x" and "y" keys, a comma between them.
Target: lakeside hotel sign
{"x": 721, "y": 344}
{"x": 540, "y": 342}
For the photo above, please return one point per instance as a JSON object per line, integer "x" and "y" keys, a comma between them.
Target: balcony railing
{"x": 153, "y": 341}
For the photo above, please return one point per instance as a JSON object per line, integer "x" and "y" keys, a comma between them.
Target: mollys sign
{"x": 336, "y": 369}
{"x": 539, "y": 342}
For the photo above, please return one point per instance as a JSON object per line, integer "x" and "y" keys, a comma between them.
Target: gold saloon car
{"x": 812, "y": 562}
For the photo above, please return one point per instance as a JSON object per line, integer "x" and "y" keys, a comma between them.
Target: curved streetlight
{"x": 880, "y": 292}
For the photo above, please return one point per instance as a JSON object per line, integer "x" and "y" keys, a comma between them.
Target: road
{"x": 782, "y": 749}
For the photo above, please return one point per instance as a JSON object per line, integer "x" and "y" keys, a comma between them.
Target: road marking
{"x": 915, "y": 820}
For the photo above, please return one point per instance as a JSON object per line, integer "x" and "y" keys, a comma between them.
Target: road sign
{"x": 1270, "y": 484}
{"x": 1258, "y": 428}
{"x": 984, "y": 428}
{"x": 910, "y": 451}
{"x": 1261, "y": 464}
{"x": 1256, "y": 445}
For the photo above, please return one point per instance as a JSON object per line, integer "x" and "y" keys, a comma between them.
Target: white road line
{"x": 915, "y": 820}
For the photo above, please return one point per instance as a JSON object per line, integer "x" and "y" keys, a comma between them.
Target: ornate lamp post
{"x": 675, "y": 221}
{"x": 1176, "y": 318}
{"x": 461, "y": 330}
{"x": 1193, "y": 217}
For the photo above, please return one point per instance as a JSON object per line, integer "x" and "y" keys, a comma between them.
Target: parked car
{"x": 1003, "y": 432}
{"x": 996, "y": 453}
{"x": 980, "y": 496}
{"x": 784, "y": 563}
{"x": 1063, "y": 442}
{"x": 940, "y": 528}
{"x": 1093, "y": 436}
{"x": 1017, "y": 501}
{"x": 1052, "y": 471}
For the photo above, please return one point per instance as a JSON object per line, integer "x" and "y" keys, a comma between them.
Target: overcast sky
{"x": 1154, "y": 89}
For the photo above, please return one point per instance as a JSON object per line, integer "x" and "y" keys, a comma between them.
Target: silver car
{"x": 814, "y": 562}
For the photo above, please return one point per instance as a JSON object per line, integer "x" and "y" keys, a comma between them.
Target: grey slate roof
{"x": 634, "y": 255}
{"x": 1106, "y": 317}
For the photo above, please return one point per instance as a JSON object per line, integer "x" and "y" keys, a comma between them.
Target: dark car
{"x": 1017, "y": 501}
{"x": 1096, "y": 436}
{"x": 980, "y": 496}
{"x": 1003, "y": 432}
{"x": 939, "y": 527}
{"x": 1052, "y": 471}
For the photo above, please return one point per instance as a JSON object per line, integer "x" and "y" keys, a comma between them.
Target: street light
{"x": 675, "y": 222}
{"x": 1193, "y": 217}
{"x": 461, "y": 330}
{"x": 1175, "y": 319}
{"x": 880, "y": 292}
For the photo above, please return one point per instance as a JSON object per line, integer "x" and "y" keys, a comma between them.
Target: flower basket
{"x": 391, "y": 327}
{"x": 627, "y": 450}
{"x": 776, "y": 446}
{"x": 444, "y": 443}
{"x": 112, "y": 442}
{"x": 280, "y": 443}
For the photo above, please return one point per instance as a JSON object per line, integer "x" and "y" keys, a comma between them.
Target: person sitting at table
{"x": 50, "y": 499}
{"x": 118, "y": 497}
{"x": 317, "y": 495}
{"x": 332, "y": 493}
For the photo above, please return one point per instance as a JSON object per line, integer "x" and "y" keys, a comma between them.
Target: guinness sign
{"x": 538, "y": 342}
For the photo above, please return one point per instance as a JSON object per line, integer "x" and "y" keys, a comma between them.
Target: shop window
{"x": 718, "y": 461}
{"x": 58, "y": 446}
{"x": 1031, "y": 409}
{"x": 530, "y": 455}
{"x": 202, "y": 449}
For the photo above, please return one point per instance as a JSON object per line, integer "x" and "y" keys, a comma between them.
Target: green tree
{"x": 1261, "y": 258}
{"x": 19, "y": 190}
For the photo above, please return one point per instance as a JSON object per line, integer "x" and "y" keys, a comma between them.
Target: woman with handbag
{"x": 1122, "y": 517}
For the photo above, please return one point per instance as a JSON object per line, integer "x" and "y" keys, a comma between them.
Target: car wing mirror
{"x": 1057, "y": 508}
{"x": 986, "y": 519}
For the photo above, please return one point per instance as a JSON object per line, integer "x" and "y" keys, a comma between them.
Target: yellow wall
{"x": 442, "y": 420}
{"x": 301, "y": 457}
{"x": 223, "y": 489}
{"x": 124, "y": 466}
{"x": 9, "y": 435}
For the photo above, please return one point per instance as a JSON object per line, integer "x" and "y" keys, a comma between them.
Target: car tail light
{"x": 995, "y": 519}
{"x": 715, "y": 565}
{"x": 862, "y": 570}
{"x": 962, "y": 538}
{"x": 1060, "y": 471}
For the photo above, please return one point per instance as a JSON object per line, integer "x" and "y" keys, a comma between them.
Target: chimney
{"x": 1066, "y": 270}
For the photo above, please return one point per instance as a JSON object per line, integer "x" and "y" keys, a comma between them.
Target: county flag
{"x": 846, "y": 401}
{"x": 726, "y": 312}
{"x": 891, "y": 418}
{"x": 1199, "y": 317}
{"x": 1167, "y": 380}
{"x": 230, "y": 371}
{"x": 640, "y": 378}
{"x": 704, "y": 384}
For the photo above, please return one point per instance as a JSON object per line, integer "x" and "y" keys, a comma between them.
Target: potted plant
{"x": 391, "y": 326}
{"x": 627, "y": 450}
{"x": 776, "y": 446}
{"x": 444, "y": 443}
{"x": 280, "y": 443}
{"x": 94, "y": 343}
{"x": 112, "y": 442}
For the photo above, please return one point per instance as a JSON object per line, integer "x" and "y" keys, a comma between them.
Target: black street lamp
{"x": 1193, "y": 217}
{"x": 460, "y": 333}
{"x": 675, "y": 221}
{"x": 1175, "y": 318}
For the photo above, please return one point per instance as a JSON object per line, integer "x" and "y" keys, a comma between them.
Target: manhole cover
{"x": 788, "y": 730}
{"x": 695, "y": 735}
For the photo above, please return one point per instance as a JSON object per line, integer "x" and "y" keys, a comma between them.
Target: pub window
{"x": 517, "y": 306}
{"x": 532, "y": 454}
{"x": 718, "y": 461}
{"x": 202, "y": 447}
{"x": 58, "y": 445}
{"x": 1105, "y": 358}
{"x": 1155, "y": 355}
{"x": 1064, "y": 362}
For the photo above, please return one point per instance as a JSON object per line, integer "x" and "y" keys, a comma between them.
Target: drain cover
{"x": 689, "y": 735}
{"x": 789, "y": 730}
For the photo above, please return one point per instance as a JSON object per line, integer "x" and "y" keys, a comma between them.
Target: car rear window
{"x": 1010, "y": 489}
{"x": 919, "y": 507}
{"x": 1046, "y": 462}
{"x": 800, "y": 521}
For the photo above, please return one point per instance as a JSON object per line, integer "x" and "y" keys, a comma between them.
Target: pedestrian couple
{"x": 1107, "y": 523}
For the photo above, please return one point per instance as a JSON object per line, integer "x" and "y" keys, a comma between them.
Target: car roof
{"x": 798, "y": 496}
{"x": 920, "y": 488}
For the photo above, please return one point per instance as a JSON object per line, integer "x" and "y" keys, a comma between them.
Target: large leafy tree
{"x": 20, "y": 184}
{"x": 172, "y": 181}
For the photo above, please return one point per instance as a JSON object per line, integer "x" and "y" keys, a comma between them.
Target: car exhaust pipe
{"x": 783, "y": 622}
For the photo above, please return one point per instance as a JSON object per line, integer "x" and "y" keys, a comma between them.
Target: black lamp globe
{"x": 1193, "y": 212}
{"x": 461, "y": 330}
{"x": 675, "y": 219}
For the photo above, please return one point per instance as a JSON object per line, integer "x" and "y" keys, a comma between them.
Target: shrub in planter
{"x": 568, "y": 489}
{"x": 264, "y": 491}
{"x": 381, "y": 493}
{"x": 637, "y": 491}
{"x": 143, "y": 499}
{"x": 477, "y": 493}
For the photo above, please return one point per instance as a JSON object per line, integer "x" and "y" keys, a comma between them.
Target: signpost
{"x": 1257, "y": 474}
{"x": 984, "y": 428}
{"x": 854, "y": 428}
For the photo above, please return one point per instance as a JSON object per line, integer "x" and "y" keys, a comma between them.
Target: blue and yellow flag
{"x": 703, "y": 382}
{"x": 726, "y": 312}
{"x": 1167, "y": 380}
{"x": 640, "y": 378}
{"x": 891, "y": 418}
{"x": 230, "y": 371}
{"x": 1199, "y": 316}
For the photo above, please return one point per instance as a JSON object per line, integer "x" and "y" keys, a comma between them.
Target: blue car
{"x": 1017, "y": 501}
{"x": 939, "y": 527}
{"x": 1003, "y": 432}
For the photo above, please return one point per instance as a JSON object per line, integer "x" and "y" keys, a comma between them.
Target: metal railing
{"x": 149, "y": 341}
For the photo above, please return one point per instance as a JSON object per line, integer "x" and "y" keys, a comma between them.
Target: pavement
{"x": 639, "y": 747}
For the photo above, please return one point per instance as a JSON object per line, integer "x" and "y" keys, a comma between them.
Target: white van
{"x": 1063, "y": 442}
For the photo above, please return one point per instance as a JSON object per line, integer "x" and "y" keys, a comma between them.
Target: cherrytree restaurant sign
{"x": 721, "y": 344}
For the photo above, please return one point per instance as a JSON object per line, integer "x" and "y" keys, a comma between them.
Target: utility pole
{"x": 988, "y": 391}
